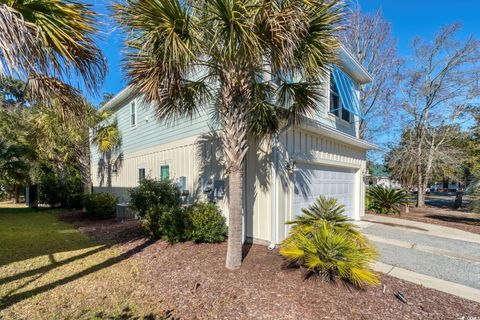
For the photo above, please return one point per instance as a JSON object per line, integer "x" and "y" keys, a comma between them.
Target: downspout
{"x": 273, "y": 230}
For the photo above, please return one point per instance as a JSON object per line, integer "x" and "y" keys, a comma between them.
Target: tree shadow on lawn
{"x": 456, "y": 219}
{"x": 26, "y": 233}
{"x": 15, "y": 298}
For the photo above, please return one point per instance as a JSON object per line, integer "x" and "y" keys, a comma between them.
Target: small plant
{"x": 385, "y": 200}
{"x": 326, "y": 210}
{"x": 101, "y": 205}
{"x": 331, "y": 254}
{"x": 151, "y": 222}
{"x": 207, "y": 223}
{"x": 152, "y": 193}
{"x": 329, "y": 245}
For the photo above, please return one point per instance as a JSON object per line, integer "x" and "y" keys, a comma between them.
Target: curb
{"x": 452, "y": 288}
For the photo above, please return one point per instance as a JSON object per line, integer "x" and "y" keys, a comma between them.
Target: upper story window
{"x": 337, "y": 106}
{"x": 133, "y": 114}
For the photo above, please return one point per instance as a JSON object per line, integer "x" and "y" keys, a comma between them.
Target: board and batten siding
{"x": 302, "y": 146}
{"x": 149, "y": 131}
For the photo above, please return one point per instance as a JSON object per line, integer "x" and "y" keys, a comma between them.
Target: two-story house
{"x": 321, "y": 156}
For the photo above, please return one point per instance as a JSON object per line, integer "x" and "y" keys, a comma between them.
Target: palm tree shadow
{"x": 15, "y": 298}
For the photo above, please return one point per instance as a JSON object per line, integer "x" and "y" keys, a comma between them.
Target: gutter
{"x": 126, "y": 93}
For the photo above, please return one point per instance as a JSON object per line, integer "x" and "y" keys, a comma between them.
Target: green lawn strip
{"x": 48, "y": 269}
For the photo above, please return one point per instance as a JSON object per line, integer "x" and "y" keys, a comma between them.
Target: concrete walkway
{"x": 438, "y": 257}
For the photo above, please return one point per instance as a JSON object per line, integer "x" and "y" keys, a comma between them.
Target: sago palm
{"x": 44, "y": 41}
{"x": 386, "y": 200}
{"x": 329, "y": 211}
{"x": 254, "y": 61}
{"x": 328, "y": 253}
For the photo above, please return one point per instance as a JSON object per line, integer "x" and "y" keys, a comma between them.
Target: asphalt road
{"x": 438, "y": 265}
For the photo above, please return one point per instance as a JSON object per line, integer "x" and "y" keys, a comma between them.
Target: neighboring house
{"x": 323, "y": 155}
{"x": 379, "y": 176}
{"x": 451, "y": 186}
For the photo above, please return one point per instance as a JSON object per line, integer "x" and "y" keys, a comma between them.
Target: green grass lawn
{"x": 50, "y": 270}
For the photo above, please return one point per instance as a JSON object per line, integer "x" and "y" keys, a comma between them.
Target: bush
{"x": 171, "y": 223}
{"x": 385, "y": 200}
{"x": 329, "y": 245}
{"x": 75, "y": 201}
{"x": 101, "y": 205}
{"x": 152, "y": 193}
{"x": 207, "y": 223}
{"x": 330, "y": 254}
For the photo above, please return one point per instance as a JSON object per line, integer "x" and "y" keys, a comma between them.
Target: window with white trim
{"x": 133, "y": 114}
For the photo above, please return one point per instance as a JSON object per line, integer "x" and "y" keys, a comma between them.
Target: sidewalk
{"x": 421, "y": 227}
{"x": 436, "y": 257}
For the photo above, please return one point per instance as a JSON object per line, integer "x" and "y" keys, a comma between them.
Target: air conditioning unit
{"x": 124, "y": 212}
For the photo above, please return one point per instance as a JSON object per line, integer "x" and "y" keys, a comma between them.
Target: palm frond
{"x": 299, "y": 99}
{"x": 53, "y": 38}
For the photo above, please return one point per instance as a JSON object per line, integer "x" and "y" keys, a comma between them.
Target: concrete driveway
{"x": 448, "y": 258}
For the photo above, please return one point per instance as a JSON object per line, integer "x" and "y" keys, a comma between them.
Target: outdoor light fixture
{"x": 290, "y": 166}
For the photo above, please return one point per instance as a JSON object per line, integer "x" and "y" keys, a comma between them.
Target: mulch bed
{"x": 190, "y": 282}
{"x": 465, "y": 221}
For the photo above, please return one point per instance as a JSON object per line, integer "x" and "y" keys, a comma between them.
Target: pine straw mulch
{"x": 190, "y": 281}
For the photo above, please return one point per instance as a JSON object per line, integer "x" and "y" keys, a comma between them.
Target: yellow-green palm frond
{"x": 329, "y": 253}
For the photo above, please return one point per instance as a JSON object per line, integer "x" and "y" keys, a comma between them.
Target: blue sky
{"x": 409, "y": 18}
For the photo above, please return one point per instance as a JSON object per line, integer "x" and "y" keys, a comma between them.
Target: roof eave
{"x": 325, "y": 130}
{"x": 126, "y": 93}
{"x": 351, "y": 66}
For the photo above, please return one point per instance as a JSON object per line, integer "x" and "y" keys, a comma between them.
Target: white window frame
{"x": 133, "y": 114}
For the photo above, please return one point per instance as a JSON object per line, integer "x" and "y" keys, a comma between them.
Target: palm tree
{"x": 44, "y": 41}
{"x": 255, "y": 61}
{"x": 108, "y": 141}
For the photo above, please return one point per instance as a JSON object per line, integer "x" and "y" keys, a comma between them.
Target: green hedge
{"x": 101, "y": 205}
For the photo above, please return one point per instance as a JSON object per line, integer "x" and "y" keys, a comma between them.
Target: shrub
{"x": 331, "y": 254}
{"x": 385, "y": 200}
{"x": 101, "y": 205}
{"x": 153, "y": 193}
{"x": 329, "y": 245}
{"x": 171, "y": 223}
{"x": 75, "y": 201}
{"x": 207, "y": 223}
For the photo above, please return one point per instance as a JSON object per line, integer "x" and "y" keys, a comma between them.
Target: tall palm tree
{"x": 255, "y": 61}
{"x": 44, "y": 41}
{"x": 108, "y": 141}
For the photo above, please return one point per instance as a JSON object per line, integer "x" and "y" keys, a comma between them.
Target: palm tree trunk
{"x": 83, "y": 158}
{"x": 235, "y": 99}
{"x": 235, "y": 220}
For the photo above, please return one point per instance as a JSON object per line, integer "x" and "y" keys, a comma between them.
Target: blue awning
{"x": 348, "y": 95}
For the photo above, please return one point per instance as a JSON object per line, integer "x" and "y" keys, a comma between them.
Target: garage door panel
{"x": 314, "y": 180}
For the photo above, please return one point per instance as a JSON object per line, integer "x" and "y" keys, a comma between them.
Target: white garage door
{"x": 314, "y": 180}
